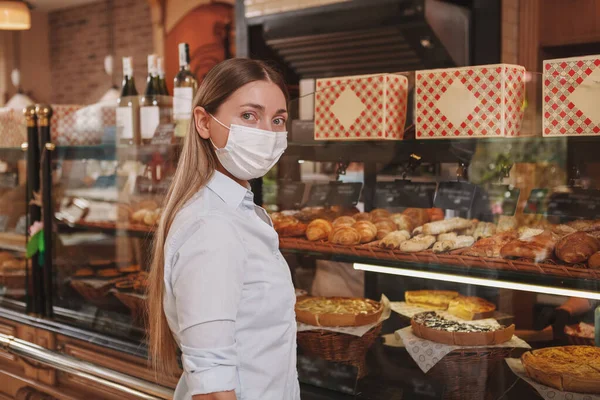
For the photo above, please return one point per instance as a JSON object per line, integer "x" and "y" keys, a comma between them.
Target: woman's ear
{"x": 202, "y": 122}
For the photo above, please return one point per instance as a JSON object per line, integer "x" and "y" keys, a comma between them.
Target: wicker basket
{"x": 580, "y": 341}
{"x": 135, "y": 303}
{"x": 464, "y": 373}
{"x": 339, "y": 347}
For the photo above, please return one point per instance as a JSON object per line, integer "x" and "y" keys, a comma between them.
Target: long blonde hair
{"x": 196, "y": 166}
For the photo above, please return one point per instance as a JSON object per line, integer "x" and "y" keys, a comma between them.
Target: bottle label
{"x": 182, "y": 103}
{"x": 182, "y": 55}
{"x": 124, "y": 122}
{"x": 149, "y": 120}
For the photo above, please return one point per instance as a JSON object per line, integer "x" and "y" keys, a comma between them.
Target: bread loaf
{"x": 537, "y": 248}
{"x": 418, "y": 216}
{"x": 403, "y": 222}
{"x": 448, "y": 225}
{"x": 594, "y": 261}
{"x": 577, "y": 247}
{"x": 417, "y": 244}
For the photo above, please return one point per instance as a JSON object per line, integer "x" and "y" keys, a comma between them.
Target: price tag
{"x": 455, "y": 196}
{"x": 536, "y": 203}
{"x": 290, "y": 194}
{"x": 318, "y": 195}
{"x": 164, "y": 134}
{"x": 344, "y": 194}
{"x": 21, "y": 227}
{"x": 404, "y": 194}
{"x": 582, "y": 203}
{"x": 496, "y": 200}
{"x": 8, "y": 180}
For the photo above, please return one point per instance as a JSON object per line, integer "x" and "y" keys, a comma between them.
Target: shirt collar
{"x": 231, "y": 192}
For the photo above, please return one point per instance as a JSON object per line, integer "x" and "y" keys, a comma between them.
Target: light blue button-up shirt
{"x": 229, "y": 297}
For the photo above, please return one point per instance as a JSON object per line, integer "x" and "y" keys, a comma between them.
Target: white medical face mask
{"x": 250, "y": 153}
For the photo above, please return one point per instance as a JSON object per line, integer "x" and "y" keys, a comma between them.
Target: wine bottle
{"x": 127, "y": 114}
{"x": 163, "y": 91}
{"x": 185, "y": 88}
{"x": 149, "y": 103}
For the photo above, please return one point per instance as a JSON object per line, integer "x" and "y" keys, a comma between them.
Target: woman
{"x": 219, "y": 288}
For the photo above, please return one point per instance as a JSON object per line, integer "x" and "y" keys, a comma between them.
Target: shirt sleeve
{"x": 207, "y": 280}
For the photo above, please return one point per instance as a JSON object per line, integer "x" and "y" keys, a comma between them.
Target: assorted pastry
{"x": 581, "y": 330}
{"x": 432, "y": 326}
{"x": 146, "y": 212}
{"x": 337, "y": 311}
{"x": 566, "y": 368}
{"x": 416, "y": 230}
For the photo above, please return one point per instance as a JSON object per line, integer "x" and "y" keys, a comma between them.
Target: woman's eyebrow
{"x": 262, "y": 108}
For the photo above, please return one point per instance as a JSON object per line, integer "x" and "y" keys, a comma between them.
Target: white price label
{"x": 182, "y": 103}
{"x": 149, "y": 120}
{"x": 125, "y": 122}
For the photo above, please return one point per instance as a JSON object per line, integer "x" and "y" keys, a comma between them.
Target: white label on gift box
{"x": 347, "y": 108}
{"x": 457, "y": 103}
{"x": 182, "y": 103}
{"x": 125, "y": 122}
{"x": 149, "y": 120}
{"x": 585, "y": 96}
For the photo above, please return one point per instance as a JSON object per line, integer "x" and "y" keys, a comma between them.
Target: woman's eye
{"x": 247, "y": 116}
{"x": 279, "y": 121}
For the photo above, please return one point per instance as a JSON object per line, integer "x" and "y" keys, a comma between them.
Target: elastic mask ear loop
{"x": 220, "y": 123}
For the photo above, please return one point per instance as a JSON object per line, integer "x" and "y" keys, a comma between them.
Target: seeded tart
{"x": 338, "y": 311}
{"x": 431, "y": 326}
{"x": 566, "y": 368}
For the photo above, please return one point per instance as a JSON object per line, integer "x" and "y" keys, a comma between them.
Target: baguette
{"x": 448, "y": 225}
{"x": 417, "y": 244}
{"x": 458, "y": 243}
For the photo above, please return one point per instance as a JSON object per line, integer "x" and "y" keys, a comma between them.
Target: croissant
{"x": 403, "y": 222}
{"x": 379, "y": 213}
{"x": 367, "y": 231}
{"x": 293, "y": 230}
{"x": 345, "y": 235}
{"x": 384, "y": 227}
{"x": 343, "y": 221}
{"x": 393, "y": 239}
{"x": 418, "y": 216}
{"x": 318, "y": 229}
{"x": 281, "y": 222}
{"x": 363, "y": 216}
{"x": 435, "y": 214}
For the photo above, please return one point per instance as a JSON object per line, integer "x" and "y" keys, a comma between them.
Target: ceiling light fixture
{"x": 14, "y": 15}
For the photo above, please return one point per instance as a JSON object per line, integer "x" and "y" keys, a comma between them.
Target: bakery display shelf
{"x": 108, "y": 227}
{"x": 545, "y": 273}
{"x": 13, "y": 242}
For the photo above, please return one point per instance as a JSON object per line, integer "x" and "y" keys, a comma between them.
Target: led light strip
{"x": 478, "y": 281}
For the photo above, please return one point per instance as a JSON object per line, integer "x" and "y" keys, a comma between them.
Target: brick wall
{"x": 79, "y": 40}
{"x": 510, "y": 31}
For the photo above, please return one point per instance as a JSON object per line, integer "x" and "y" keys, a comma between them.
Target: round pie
{"x": 338, "y": 311}
{"x": 431, "y": 326}
{"x": 566, "y": 368}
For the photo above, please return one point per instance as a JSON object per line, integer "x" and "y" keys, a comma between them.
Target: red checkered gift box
{"x": 470, "y": 102}
{"x": 63, "y": 125}
{"x": 91, "y": 121}
{"x": 13, "y": 128}
{"x": 366, "y": 107}
{"x": 571, "y": 96}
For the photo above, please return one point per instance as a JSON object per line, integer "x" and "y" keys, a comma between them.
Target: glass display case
{"x": 500, "y": 216}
